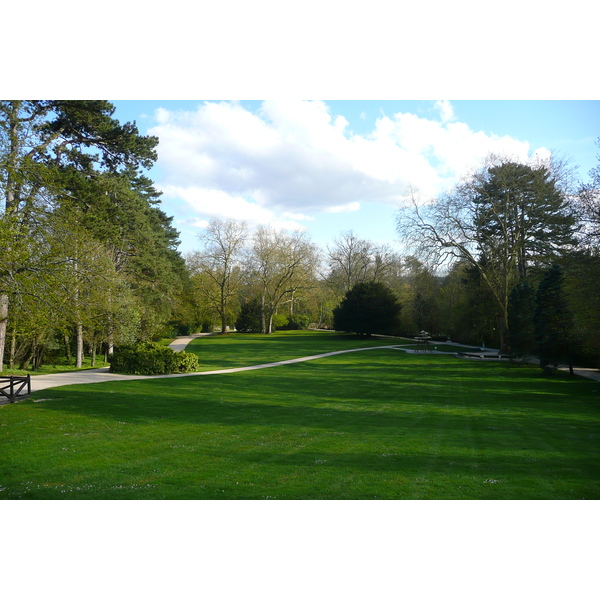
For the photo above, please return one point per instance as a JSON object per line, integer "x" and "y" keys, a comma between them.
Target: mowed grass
{"x": 378, "y": 424}
{"x": 50, "y": 369}
{"x": 241, "y": 350}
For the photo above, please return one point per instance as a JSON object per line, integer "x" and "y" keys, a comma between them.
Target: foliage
{"x": 86, "y": 238}
{"x": 582, "y": 286}
{"x": 369, "y": 307}
{"x": 553, "y": 321}
{"x": 249, "y": 319}
{"x": 522, "y": 218}
{"x": 297, "y": 322}
{"x": 351, "y": 260}
{"x": 521, "y": 309}
{"x": 283, "y": 266}
{"x": 466, "y": 308}
{"x": 504, "y": 221}
{"x": 151, "y": 358}
{"x": 218, "y": 265}
{"x": 588, "y": 204}
{"x": 419, "y": 294}
{"x": 280, "y": 321}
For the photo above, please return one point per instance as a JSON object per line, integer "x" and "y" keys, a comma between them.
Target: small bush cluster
{"x": 149, "y": 358}
{"x": 297, "y": 322}
{"x": 249, "y": 320}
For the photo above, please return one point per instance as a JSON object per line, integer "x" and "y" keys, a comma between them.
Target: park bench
{"x": 486, "y": 355}
{"x": 11, "y": 388}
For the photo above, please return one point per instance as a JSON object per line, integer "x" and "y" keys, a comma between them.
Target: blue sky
{"x": 333, "y": 166}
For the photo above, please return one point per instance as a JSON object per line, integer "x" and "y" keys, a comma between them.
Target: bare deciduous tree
{"x": 503, "y": 220}
{"x": 283, "y": 264}
{"x": 219, "y": 264}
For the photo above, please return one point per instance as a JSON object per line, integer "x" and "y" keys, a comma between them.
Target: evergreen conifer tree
{"x": 521, "y": 308}
{"x": 369, "y": 307}
{"x": 553, "y": 321}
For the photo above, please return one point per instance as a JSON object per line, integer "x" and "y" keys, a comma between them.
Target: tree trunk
{"x": 38, "y": 357}
{"x": 3, "y": 322}
{"x": 111, "y": 337}
{"x": 25, "y": 362}
{"x": 223, "y": 320}
{"x": 110, "y": 343}
{"x": 79, "y": 355}
{"x": 503, "y": 327}
{"x": 13, "y": 348}
{"x": 67, "y": 342}
{"x": 263, "y": 321}
{"x": 32, "y": 353}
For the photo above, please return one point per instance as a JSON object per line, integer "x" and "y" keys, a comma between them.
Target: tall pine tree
{"x": 521, "y": 308}
{"x": 553, "y": 321}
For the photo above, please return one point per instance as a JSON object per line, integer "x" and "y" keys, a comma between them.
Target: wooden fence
{"x": 11, "y": 388}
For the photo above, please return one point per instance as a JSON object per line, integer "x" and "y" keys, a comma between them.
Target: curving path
{"x": 42, "y": 382}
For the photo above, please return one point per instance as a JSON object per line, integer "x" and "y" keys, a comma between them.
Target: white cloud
{"x": 195, "y": 223}
{"x": 222, "y": 205}
{"x": 162, "y": 115}
{"x": 446, "y": 110}
{"x": 297, "y": 216}
{"x": 293, "y": 159}
{"x": 350, "y": 207}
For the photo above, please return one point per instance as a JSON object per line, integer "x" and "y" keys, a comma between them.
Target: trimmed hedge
{"x": 150, "y": 358}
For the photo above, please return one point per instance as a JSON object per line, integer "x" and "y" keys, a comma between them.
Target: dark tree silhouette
{"x": 521, "y": 308}
{"x": 553, "y": 321}
{"x": 369, "y": 307}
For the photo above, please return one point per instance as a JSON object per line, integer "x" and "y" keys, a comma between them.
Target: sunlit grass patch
{"x": 379, "y": 424}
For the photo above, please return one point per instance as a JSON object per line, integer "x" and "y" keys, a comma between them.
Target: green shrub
{"x": 187, "y": 362}
{"x": 298, "y": 322}
{"x": 280, "y": 321}
{"x": 150, "y": 358}
{"x": 249, "y": 320}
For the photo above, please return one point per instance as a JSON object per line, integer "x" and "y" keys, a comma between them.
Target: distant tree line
{"x": 520, "y": 246}
{"x": 509, "y": 257}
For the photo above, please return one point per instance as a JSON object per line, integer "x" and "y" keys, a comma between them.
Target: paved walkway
{"x": 42, "y": 382}
{"x": 182, "y": 341}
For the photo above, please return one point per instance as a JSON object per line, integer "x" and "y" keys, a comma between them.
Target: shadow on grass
{"x": 238, "y": 349}
{"x": 335, "y": 392}
{"x": 378, "y": 422}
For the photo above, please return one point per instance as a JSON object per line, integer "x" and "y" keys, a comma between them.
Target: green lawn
{"x": 62, "y": 367}
{"x": 363, "y": 425}
{"x": 240, "y": 350}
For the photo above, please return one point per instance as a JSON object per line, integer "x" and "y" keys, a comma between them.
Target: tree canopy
{"x": 87, "y": 256}
{"x": 78, "y": 216}
{"x": 553, "y": 320}
{"x": 368, "y": 307}
{"x": 504, "y": 221}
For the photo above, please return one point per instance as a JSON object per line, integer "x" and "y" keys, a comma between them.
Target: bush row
{"x": 149, "y": 358}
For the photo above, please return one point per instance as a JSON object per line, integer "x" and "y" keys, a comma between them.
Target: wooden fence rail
{"x": 12, "y": 386}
